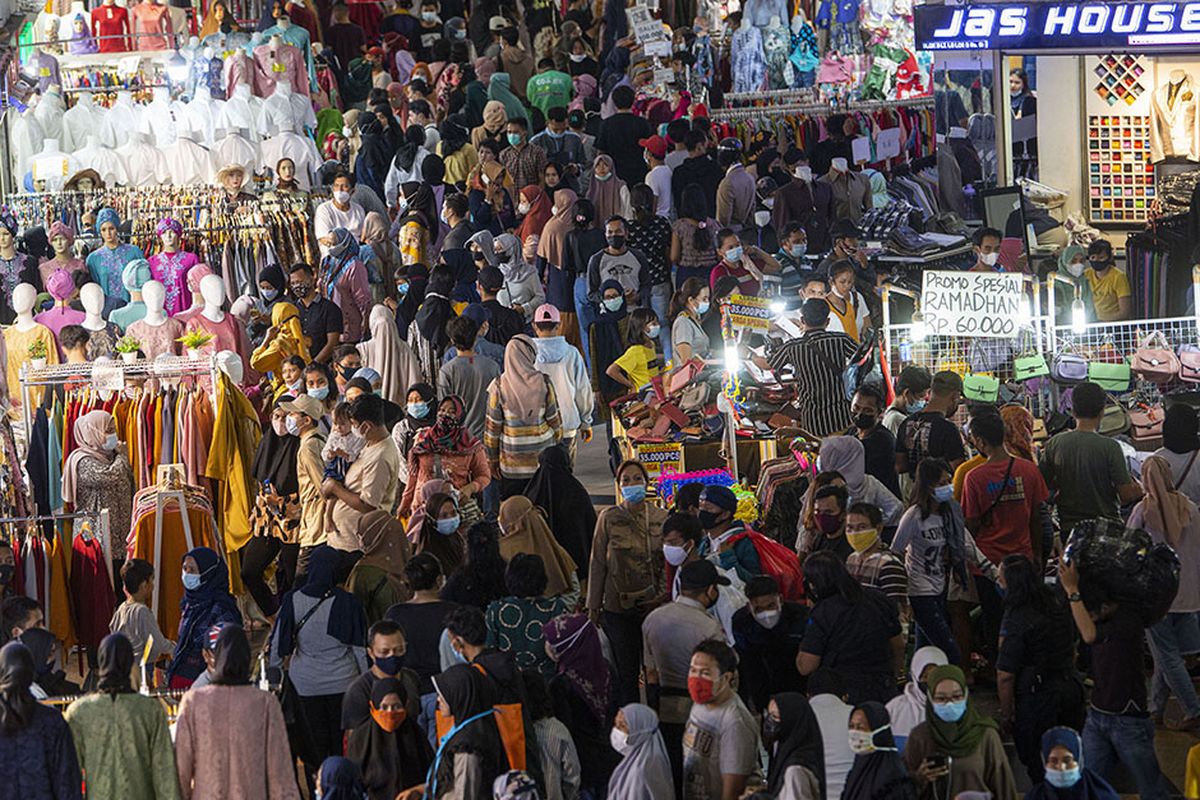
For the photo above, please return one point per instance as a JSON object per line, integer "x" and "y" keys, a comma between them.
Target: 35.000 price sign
{"x": 979, "y": 304}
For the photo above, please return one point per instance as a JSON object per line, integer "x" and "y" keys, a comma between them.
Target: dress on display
{"x": 1175, "y": 120}
{"x": 151, "y": 26}
{"x": 170, "y": 269}
{"x": 228, "y": 334}
{"x": 18, "y": 269}
{"x": 840, "y": 18}
{"x": 47, "y": 268}
{"x": 273, "y": 65}
{"x": 106, "y": 264}
{"x": 110, "y": 26}
{"x": 17, "y": 342}
{"x": 749, "y": 64}
{"x": 776, "y": 46}
{"x": 157, "y": 339}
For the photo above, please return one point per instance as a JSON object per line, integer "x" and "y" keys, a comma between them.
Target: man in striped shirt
{"x": 871, "y": 563}
{"x": 817, "y": 360}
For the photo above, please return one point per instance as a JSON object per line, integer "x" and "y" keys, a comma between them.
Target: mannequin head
{"x": 169, "y": 230}
{"x": 92, "y": 298}
{"x": 61, "y": 240}
{"x": 230, "y": 363}
{"x": 8, "y": 239}
{"x": 212, "y": 290}
{"x": 23, "y": 297}
{"x": 286, "y": 169}
{"x": 134, "y": 276}
{"x": 154, "y": 295}
{"x": 232, "y": 177}
{"x": 107, "y": 222}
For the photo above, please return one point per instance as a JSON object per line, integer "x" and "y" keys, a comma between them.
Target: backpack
{"x": 779, "y": 562}
{"x": 510, "y": 721}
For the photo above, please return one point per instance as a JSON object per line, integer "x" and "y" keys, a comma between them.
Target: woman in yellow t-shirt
{"x": 640, "y": 362}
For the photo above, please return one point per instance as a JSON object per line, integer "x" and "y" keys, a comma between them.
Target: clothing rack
{"x": 819, "y": 108}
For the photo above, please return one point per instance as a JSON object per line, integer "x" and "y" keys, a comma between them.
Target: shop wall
{"x": 1060, "y": 127}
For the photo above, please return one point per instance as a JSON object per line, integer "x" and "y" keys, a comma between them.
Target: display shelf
{"x": 1120, "y": 177}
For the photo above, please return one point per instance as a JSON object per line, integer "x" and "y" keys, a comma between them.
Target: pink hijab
{"x": 91, "y": 431}
{"x": 522, "y": 386}
{"x": 606, "y": 195}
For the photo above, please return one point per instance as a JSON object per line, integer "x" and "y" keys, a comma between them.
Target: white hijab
{"x": 645, "y": 772}
{"x": 390, "y": 356}
{"x": 907, "y": 709}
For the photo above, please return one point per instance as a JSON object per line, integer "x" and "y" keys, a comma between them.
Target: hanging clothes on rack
{"x": 235, "y": 438}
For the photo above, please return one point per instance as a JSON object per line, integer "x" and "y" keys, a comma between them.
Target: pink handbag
{"x": 1189, "y": 363}
{"x": 1154, "y": 360}
{"x": 1146, "y": 423}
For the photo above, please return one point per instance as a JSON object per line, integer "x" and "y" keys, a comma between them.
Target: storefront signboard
{"x": 749, "y": 313}
{"x": 1057, "y": 26}
{"x": 973, "y": 304}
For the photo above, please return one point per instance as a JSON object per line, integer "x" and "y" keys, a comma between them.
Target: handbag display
{"x": 1154, "y": 360}
{"x": 1189, "y": 363}
{"x": 1110, "y": 377}
{"x": 1146, "y": 423}
{"x": 981, "y": 388}
{"x": 1115, "y": 419}
{"x": 1068, "y": 366}
{"x": 1030, "y": 366}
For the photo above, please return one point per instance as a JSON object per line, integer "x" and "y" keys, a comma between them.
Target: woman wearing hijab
{"x": 500, "y": 89}
{"x": 379, "y": 253}
{"x": 878, "y": 772}
{"x": 608, "y": 192}
{"x": 1072, "y": 262}
{"x": 522, "y": 287}
{"x": 606, "y": 340}
{"x": 406, "y": 164}
{"x": 495, "y": 121}
{"x": 427, "y": 335}
{"x": 954, "y": 727}
{"x": 217, "y": 20}
{"x": 37, "y": 753}
{"x": 377, "y": 579}
{"x": 121, "y": 737}
{"x": 275, "y": 519}
{"x": 324, "y": 630}
{"x": 474, "y": 91}
{"x": 1181, "y": 442}
{"x": 446, "y": 449}
{"x": 340, "y": 779}
{"x": 645, "y": 771}
{"x": 389, "y": 355}
{"x": 272, "y": 286}
{"x": 907, "y": 709}
{"x": 437, "y": 529}
{"x": 343, "y": 279}
{"x": 525, "y": 531}
{"x": 522, "y": 417}
{"x": 845, "y": 455}
{"x": 97, "y": 475}
{"x": 536, "y": 209}
{"x": 566, "y": 503}
{"x": 410, "y": 282}
{"x": 419, "y": 413}
{"x": 374, "y": 155}
{"x": 49, "y": 681}
{"x": 417, "y": 222}
{"x": 1170, "y": 517}
{"x": 583, "y": 692}
{"x": 283, "y": 340}
{"x": 456, "y": 150}
{"x": 795, "y": 750}
{"x": 552, "y": 252}
{"x": 230, "y": 737}
{"x": 1067, "y": 778}
{"x": 389, "y": 748}
{"x": 206, "y": 602}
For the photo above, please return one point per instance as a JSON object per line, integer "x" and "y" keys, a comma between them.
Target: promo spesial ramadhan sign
{"x": 974, "y": 304}
{"x": 1056, "y": 26}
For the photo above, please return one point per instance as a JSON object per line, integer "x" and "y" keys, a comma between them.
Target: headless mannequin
{"x": 228, "y": 333}
{"x": 51, "y": 166}
{"x": 92, "y": 298}
{"x": 61, "y": 315}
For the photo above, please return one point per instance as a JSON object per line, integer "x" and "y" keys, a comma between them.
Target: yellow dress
{"x": 17, "y": 343}
{"x": 234, "y": 440}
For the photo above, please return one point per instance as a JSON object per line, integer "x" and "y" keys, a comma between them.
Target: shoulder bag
{"x": 1069, "y": 366}
{"x": 289, "y": 699}
{"x": 1115, "y": 419}
{"x": 1189, "y": 363}
{"x": 1146, "y": 423}
{"x": 981, "y": 388}
{"x": 1110, "y": 377}
{"x": 1154, "y": 360}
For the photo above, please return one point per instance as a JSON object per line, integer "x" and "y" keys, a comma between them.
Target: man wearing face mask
{"x": 320, "y": 319}
{"x": 455, "y": 210}
{"x": 987, "y": 249}
{"x": 912, "y": 392}
{"x": 303, "y": 414}
{"x": 829, "y": 516}
{"x": 845, "y": 247}
{"x": 338, "y": 212}
{"x": 503, "y": 322}
{"x": 721, "y": 740}
{"x": 386, "y": 647}
{"x": 563, "y": 147}
{"x": 735, "y": 192}
{"x": 621, "y": 263}
{"x": 930, "y": 433}
{"x": 346, "y": 362}
{"x": 767, "y": 634}
{"x": 879, "y": 444}
{"x": 793, "y": 247}
{"x": 804, "y": 201}
{"x": 1111, "y": 294}
{"x": 670, "y": 634}
{"x": 682, "y": 538}
{"x": 727, "y": 545}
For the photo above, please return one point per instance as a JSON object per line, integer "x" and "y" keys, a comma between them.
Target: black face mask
{"x": 709, "y": 519}
{"x": 301, "y": 291}
{"x": 6, "y": 573}
{"x": 478, "y": 256}
{"x": 770, "y": 730}
{"x": 864, "y": 421}
{"x": 1100, "y": 264}
{"x": 616, "y": 242}
{"x": 348, "y": 372}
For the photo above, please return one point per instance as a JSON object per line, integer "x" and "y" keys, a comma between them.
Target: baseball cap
{"x": 701, "y": 574}
{"x": 375, "y": 52}
{"x": 491, "y": 278}
{"x": 498, "y": 23}
{"x": 305, "y": 404}
{"x": 814, "y": 311}
{"x": 656, "y": 144}
{"x": 730, "y": 143}
{"x": 477, "y": 314}
{"x": 547, "y": 313}
{"x": 721, "y": 496}
{"x": 369, "y": 375}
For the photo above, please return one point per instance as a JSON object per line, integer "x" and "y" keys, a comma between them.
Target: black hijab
{"x": 275, "y": 459}
{"x": 17, "y": 705}
{"x": 273, "y": 274}
{"x": 607, "y": 340}
{"x": 799, "y": 742}
{"x": 455, "y": 135}
{"x": 429, "y": 396}
{"x": 462, "y": 266}
{"x": 436, "y": 309}
{"x": 880, "y": 775}
{"x": 468, "y": 693}
{"x": 568, "y": 506}
{"x": 422, "y": 206}
{"x": 406, "y": 155}
{"x": 114, "y": 663}
{"x": 406, "y": 309}
{"x": 374, "y": 154}
{"x": 390, "y": 762}
{"x": 347, "y": 619}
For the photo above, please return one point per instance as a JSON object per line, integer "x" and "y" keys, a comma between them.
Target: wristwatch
{"x": 1074, "y": 597}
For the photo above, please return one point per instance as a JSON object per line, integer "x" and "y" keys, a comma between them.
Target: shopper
{"x": 720, "y": 746}
{"x": 35, "y": 742}
{"x": 388, "y": 747}
{"x": 907, "y": 709}
{"x": 565, "y": 367}
{"x": 206, "y": 602}
{"x": 1062, "y": 753}
{"x": 467, "y": 375}
{"x": 767, "y": 632}
{"x": 644, "y": 772}
{"x": 1181, "y": 442}
{"x": 817, "y": 360}
{"x": 515, "y": 622}
{"x": 1111, "y": 294}
{"x": 796, "y": 752}
{"x": 878, "y": 770}
{"x": 445, "y": 449}
{"x": 522, "y": 418}
{"x": 930, "y": 432}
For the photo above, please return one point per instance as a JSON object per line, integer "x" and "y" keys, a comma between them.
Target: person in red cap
{"x": 658, "y": 178}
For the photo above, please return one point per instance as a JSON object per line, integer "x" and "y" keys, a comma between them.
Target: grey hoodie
{"x": 563, "y": 364}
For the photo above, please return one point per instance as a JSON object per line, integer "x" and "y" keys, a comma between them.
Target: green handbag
{"x": 1030, "y": 366}
{"x": 981, "y": 388}
{"x": 1110, "y": 377}
{"x": 1115, "y": 419}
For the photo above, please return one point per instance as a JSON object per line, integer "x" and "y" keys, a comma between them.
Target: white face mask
{"x": 989, "y": 259}
{"x": 768, "y": 619}
{"x": 522, "y": 208}
{"x": 619, "y": 741}
{"x": 1076, "y": 268}
{"x": 762, "y": 218}
{"x": 674, "y": 555}
{"x": 342, "y": 197}
{"x": 864, "y": 741}
{"x": 804, "y": 173}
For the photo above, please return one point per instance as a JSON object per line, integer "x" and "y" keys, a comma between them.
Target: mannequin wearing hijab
{"x": 62, "y": 240}
{"x": 171, "y": 264}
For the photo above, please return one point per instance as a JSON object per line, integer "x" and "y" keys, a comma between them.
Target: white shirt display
{"x": 199, "y": 116}
{"x": 105, "y": 160}
{"x": 234, "y": 148}
{"x": 300, "y": 149}
{"x": 158, "y": 119}
{"x": 53, "y": 166}
{"x": 328, "y": 216}
{"x": 242, "y": 111}
{"x": 49, "y": 111}
{"x": 285, "y": 106}
{"x": 189, "y": 162}
{"x": 145, "y": 164}
{"x": 85, "y": 119}
{"x": 124, "y": 115}
{"x": 25, "y": 137}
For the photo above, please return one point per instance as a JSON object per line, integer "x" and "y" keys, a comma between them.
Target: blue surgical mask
{"x": 292, "y": 427}
{"x": 950, "y": 712}
{"x": 944, "y": 494}
{"x": 514, "y": 139}
{"x": 633, "y": 494}
{"x": 614, "y": 303}
{"x": 798, "y": 250}
{"x": 459, "y": 657}
{"x": 447, "y": 526}
{"x": 653, "y": 331}
{"x": 111, "y": 442}
{"x": 1063, "y": 778}
{"x": 702, "y": 309}
{"x": 319, "y": 393}
{"x": 734, "y": 254}
{"x": 555, "y": 134}
{"x": 916, "y": 407}
{"x": 605, "y": 177}
{"x": 270, "y": 294}
{"x": 191, "y": 581}
{"x": 418, "y": 410}
{"x": 402, "y": 289}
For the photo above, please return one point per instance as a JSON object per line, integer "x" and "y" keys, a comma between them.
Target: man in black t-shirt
{"x": 931, "y": 434}
{"x": 879, "y": 445}
{"x": 766, "y": 634}
{"x": 320, "y": 319}
{"x": 620, "y": 134}
{"x": 505, "y": 323}
{"x": 1118, "y": 727}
